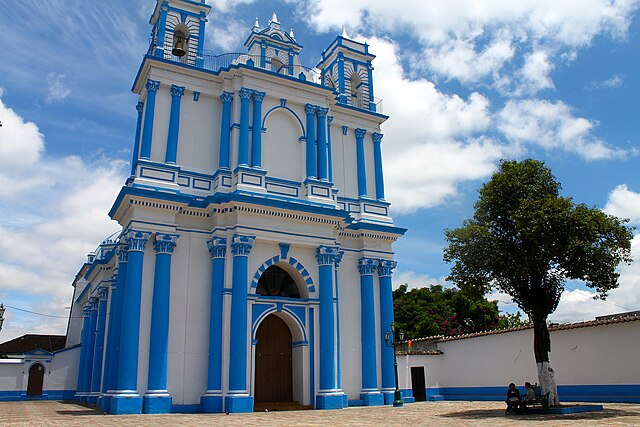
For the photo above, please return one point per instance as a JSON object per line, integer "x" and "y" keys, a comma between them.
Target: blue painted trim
{"x": 312, "y": 355}
{"x": 243, "y": 145}
{"x": 361, "y": 164}
{"x": 225, "y": 130}
{"x": 147, "y": 132}
{"x": 186, "y": 409}
{"x": 136, "y": 143}
{"x": 284, "y": 107}
{"x": 377, "y": 164}
{"x": 214, "y": 378}
{"x": 377, "y": 227}
{"x": 96, "y": 375}
{"x": 256, "y": 133}
{"x": 386, "y": 318}
{"x": 174, "y": 124}
{"x": 327, "y": 329}
{"x": 238, "y": 333}
{"x": 368, "y": 333}
{"x": 67, "y": 349}
{"x": 20, "y": 395}
{"x": 311, "y": 143}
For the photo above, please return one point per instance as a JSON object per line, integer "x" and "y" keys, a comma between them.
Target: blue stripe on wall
{"x": 621, "y": 393}
{"x": 12, "y": 395}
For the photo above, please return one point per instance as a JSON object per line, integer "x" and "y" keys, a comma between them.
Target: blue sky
{"x": 465, "y": 83}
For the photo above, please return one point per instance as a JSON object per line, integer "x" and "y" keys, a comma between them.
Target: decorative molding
{"x": 122, "y": 252}
{"x": 226, "y": 97}
{"x": 177, "y": 91}
{"x": 360, "y": 133}
{"x": 322, "y": 112}
{"x": 152, "y": 85}
{"x": 137, "y": 239}
{"x": 165, "y": 243}
{"x": 339, "y": 258}
{"x": 367, "y": 266}
{"x": 241, "y": 245}
{"x": 196, "y": 96}
{"x": 245, "y": 93}
{"x": 310, "y": 108}
{"x": 217, "y": 247}
{"x": 258, "y": 96}
{"x": 103, "y": 292}
{"x": 326, "y": 255}
{"x": 345, "y": 130}
{"x": 139, "y": 107}
{"x": 329, "y": 120}
{"x": 386, "y": 267}
{"x": 376, "y": 137}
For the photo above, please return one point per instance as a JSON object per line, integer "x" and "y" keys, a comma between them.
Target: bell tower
{"x": 346, "y": 68}
{"x": 178, "y": 30}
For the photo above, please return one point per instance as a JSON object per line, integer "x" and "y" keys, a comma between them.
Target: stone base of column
{"x": 238, "y": 403}
{"x": 388, "y": 397}
{"x": 156, "y": 403}
{"x": 211, "y": 403}
{"x": 126, "y": 404}
{"x": 372, "y": 399}
{"x": 93, "y": 398}
{"x": 78, "y": 396}
{"x": 332, "y": 401}
{"x": 104, "y": 402}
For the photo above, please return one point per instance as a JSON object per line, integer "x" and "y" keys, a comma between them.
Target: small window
{"x": 276, "y": 282}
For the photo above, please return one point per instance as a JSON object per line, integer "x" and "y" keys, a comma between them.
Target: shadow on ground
{"x": 475, "y": 414}
{"x": 82, "y": 409}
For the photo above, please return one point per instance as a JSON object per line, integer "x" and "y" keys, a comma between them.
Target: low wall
{"x": 591, "y": 364}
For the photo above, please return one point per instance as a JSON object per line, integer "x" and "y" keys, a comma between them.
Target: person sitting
{"x": 529, "y": 397}
{"x": 513, "y": 399}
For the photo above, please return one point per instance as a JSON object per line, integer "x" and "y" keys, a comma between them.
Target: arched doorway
{"x": 274, "y": 366}
{"x": 36, "y": 378}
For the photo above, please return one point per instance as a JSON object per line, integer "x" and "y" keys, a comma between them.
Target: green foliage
{"x": 435, "y": 310}
{"x": 526, "y": 240}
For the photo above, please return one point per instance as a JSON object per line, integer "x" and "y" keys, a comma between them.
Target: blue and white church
{"x": 255, "y": 259}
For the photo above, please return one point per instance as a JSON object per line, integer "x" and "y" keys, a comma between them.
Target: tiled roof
{"x": 419, "y": 352}
{"x": 32, "y": 342}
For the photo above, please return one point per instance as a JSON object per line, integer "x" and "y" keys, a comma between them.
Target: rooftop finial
{"x": 274, "y": 19}
{"x": 257, "y": 24}
{"x": 291, "y": 34}
{"x": 344, "y": 32}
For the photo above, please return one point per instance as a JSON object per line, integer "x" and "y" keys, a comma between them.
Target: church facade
{"x": 255, "y": 259}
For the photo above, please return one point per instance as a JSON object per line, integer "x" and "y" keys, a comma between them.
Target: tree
{"x": 526, "y": 240}
{"x": 434, "y": 310}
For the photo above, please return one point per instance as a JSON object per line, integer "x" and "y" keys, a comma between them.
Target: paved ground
{"x": 50, "y": 413}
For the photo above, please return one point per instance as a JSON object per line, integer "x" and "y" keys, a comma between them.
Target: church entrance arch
{"x": 36, "y": 379}
{"x": 273, "y": 364}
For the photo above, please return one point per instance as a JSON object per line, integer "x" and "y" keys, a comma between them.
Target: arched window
{"x": 356, "y": 90}
{"x": 276, "y": 282}
{"x": 180, "y": 43}
{"x": 277, "y": 66}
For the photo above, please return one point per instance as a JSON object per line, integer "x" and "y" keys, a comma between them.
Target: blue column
{"x": 337, "y": 262}
{"x": 238, "y": 399}
{"x": 256, "y": 141}
{"x": 157, "y": 399}
{"x": 329, "y": 148}
{"x": 370, "y": 391}
{"x": 162, "y": 24}
{"x": 362, "y": 173}
{"x": 147, "y": 131}
{"x": 136, "y": 144}
{"x": 310, "y": 110}
{"x": 323, "y": 163}
{"x": 91, "y": 346}
{"x": 84, "y": 346}
{"x": 243, "y": 145}
{"x": 104, "y": 399}
{"x": 200, "y": 56}
{"x": 377, "y": 164}
{"x": 385, "y": 271}
{"x": 225, "y": 130}
{"x": 174, "y": 124}
{"x": 329, "y": 397}
{"x": 342, "y": 97}
{"x": 372, "y": 104}
{"x": 211, "y": 401}
{"x": 127, "y": 400}
{"x": 98, "y": 352}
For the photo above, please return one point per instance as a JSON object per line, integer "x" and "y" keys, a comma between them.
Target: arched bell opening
{"x": 356, "y": 90}
{"x": 36, "y": 380}
{"x": 180, "y": 42}
{"x": 277, "y": 66}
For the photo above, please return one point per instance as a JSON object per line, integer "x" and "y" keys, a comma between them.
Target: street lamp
{"x": 390, "y": 341}
{"x": 1, "y": 315}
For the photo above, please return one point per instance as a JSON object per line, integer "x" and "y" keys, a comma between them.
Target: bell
{"x": 178, "y": 49}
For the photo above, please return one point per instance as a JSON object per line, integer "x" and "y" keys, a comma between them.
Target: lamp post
{"x": 390, "y": 341}
{"x": 1, "y": 315}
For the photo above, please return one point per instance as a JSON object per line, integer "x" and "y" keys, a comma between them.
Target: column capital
{"x": 113, "y": 282}
{"x": 360, "y": 133}
{"x": 217, "y": 247}
{"x": 326, "y": 255}
{"x": 226, "y": 97}
{"x": 139, "y": 107}
{"x": 152, "y": 85}
{"x": 322, "y": 112}
{"x": 241, "y": 245}
{"x": 258, "y": 96}
{"x": 310, "y": 108}
{"x": 386, "y": 267}
{"x": 338, "y": 259}
{"x": 122, "y": 252}
{"x": 367, "y": 266}
{"x": 376, "y": 137}
{"x": 245, "y": 93}
{"x": 164, "y": 243}
{"x": 103, "y": 292}
{"x": 137, "y": 239}
{"x": 329, "y": 120}
{"x": 177, "y": 91}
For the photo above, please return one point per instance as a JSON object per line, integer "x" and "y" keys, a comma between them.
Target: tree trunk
{"x": 541, "y": 349}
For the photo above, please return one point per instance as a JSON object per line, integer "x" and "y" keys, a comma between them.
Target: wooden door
{"x": 273, "y": 377}
{"x": 36, "y": 378}
{"x": 418, "y": 384}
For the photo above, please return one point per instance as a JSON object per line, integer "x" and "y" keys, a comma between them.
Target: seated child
{"x": 513, "y": 399}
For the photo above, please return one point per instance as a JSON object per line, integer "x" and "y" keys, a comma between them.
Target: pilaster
{"x": 323, "y": 174}
{"x": 385, "y": 272}
{"x": 256, "y": 142}
{"x": 147, "y": 133}
{"x": 225, "y": 130}
{"x": 136, "y": 144}
{"x": 96, "y": 371}
{"x": 361, "y": 164}
{"x": 370, "y": 392}
{"x": 377, "y": 164}
{"x": 174, "y": 125}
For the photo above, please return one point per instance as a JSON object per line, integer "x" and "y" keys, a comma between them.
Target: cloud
{"x": 534, "y": 75}
{"x": 624, "y": 203}
{"x": 615, "y": 81}
{"x": 57, "y": 91}
{"x": 52, "y": 213}
{"x": 553, "y": 126}
{"x": 229, "y": 35}
{"x": 414, "y": 280}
